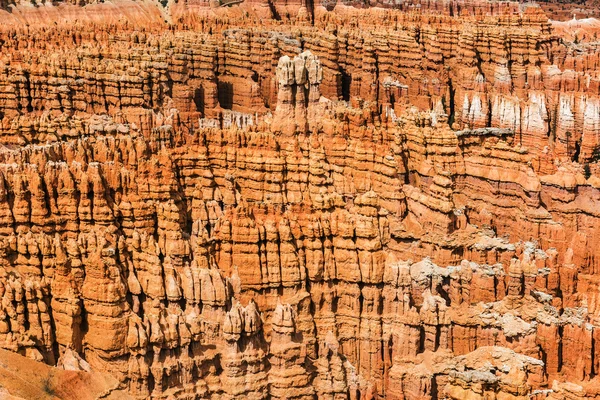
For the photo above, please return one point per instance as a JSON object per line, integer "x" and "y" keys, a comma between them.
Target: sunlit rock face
{"x": 299, "y": 200}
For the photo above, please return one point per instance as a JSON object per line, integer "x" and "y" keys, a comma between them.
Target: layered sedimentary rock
{"x": 281, "y": 200}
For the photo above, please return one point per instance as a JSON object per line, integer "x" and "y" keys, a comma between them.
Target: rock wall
{"x": 334, "y": 203}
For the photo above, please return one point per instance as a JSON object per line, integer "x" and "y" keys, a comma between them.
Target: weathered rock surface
{"x": 23, "y": 378}
{"x": 288, "y": 200}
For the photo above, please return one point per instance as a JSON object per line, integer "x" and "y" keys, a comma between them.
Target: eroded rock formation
{"x": 288, "y": 200}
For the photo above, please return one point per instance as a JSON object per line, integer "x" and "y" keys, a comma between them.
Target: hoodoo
{"x": 287, "y": 199}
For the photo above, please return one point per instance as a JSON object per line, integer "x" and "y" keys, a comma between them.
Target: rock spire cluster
{"x": 297, "y": 200}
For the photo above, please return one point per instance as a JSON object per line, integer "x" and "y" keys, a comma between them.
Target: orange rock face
{"x": 290, "y": 200}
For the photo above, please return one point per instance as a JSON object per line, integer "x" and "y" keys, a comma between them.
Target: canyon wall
{"x": 281, "y": 200}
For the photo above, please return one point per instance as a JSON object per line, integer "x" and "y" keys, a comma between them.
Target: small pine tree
{"x": 587, "y": 172}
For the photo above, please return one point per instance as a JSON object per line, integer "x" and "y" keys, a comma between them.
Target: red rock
{"x": 298, "y": 200}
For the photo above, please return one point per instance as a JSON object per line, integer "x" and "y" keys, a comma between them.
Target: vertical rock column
{"x": 243, "y": 359}
{"x": 298, "y": 81}
{"x": 288, "y": 377}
